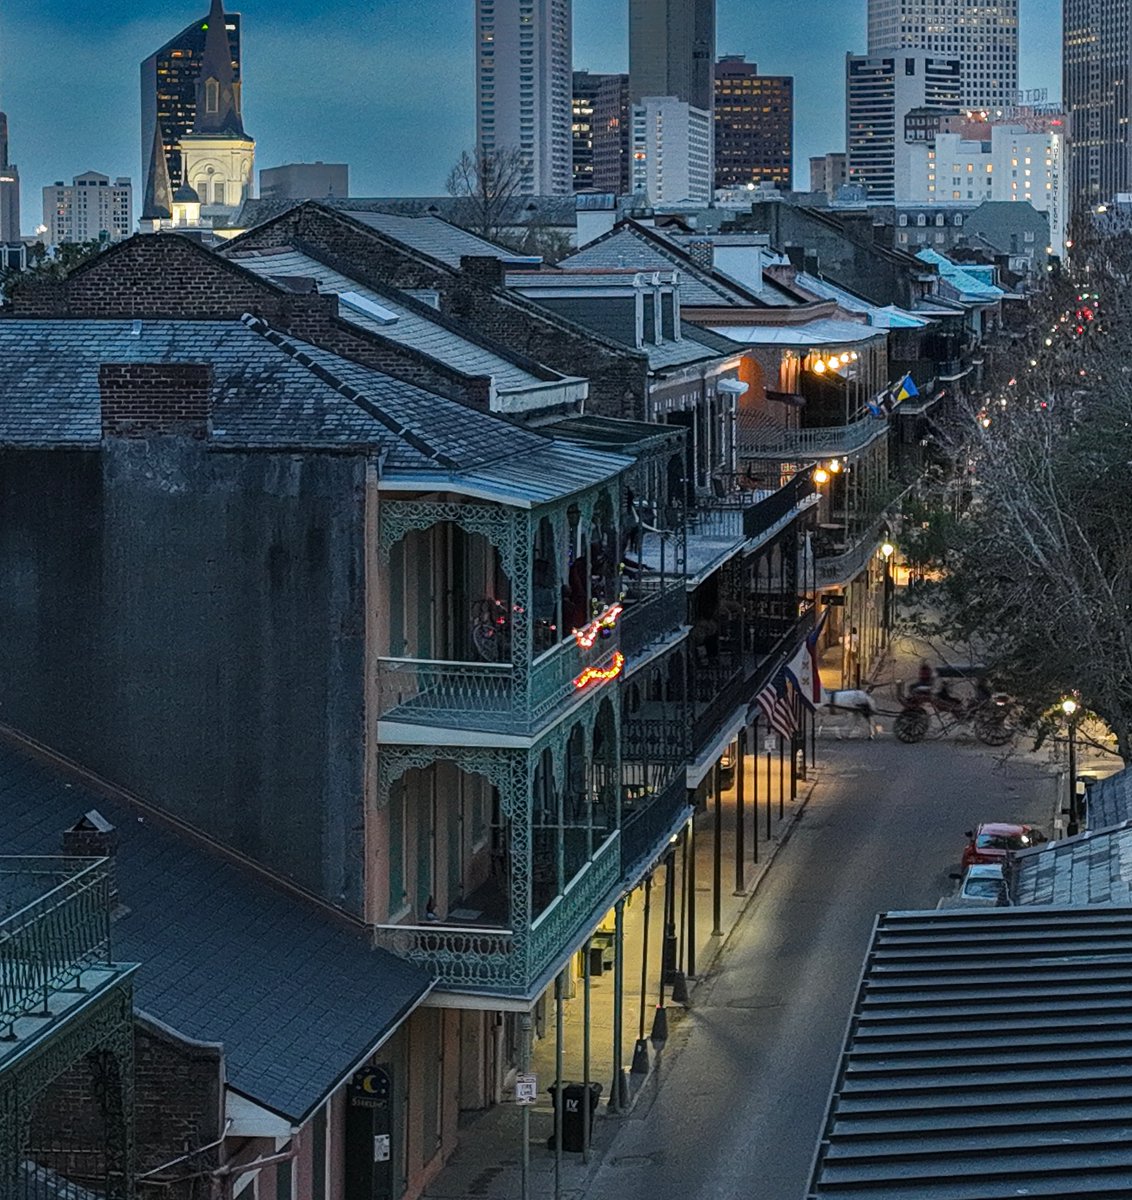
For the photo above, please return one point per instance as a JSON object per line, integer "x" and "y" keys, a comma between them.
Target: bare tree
{"x": 490, "y": 181}
{"x": 1038, "y": 562}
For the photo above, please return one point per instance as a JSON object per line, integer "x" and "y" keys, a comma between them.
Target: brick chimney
{"x": 143, "y": 399}
{"x": 484, "y": 269}
{"x": 92, "y": 836}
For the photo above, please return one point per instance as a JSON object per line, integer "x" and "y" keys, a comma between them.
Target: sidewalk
{"x": 487, "y": 1162}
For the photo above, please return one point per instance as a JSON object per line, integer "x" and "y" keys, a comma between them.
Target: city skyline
{"x": 326, "y": 113}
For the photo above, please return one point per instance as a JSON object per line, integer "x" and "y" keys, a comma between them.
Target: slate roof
{"x": 987, "y": 1056}
{"x": 887, "y": 316}
{"x": 263, "y": 394}
{"x": 1109, "y": 801}
{"x": 627, "y": 246}
{"x": 295, "y": 994}
{"x": 413, "y": 326}
{"x": 1090, "y": 868}
{"x": 432, "y": 236}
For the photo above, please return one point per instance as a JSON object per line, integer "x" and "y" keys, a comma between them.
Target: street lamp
{"x": 887, "y": 549}
{"x": 1069, "y": 707}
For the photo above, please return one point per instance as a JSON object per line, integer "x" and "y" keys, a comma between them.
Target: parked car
{"x": 994, "y": 842}
{"x": 983, "y": 886}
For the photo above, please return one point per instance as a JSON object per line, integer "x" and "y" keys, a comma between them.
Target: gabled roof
{"x": 632, "y": 245}
{"x": 986, "y": 1058}
{"x": 882, "y": 317}
{"x": 430, "y": 235}
{"x": 405, "y": 320}
{"x": 294, "y": 992}
{"x": 264, "y": 393}
{"x": 1090, "y": 868}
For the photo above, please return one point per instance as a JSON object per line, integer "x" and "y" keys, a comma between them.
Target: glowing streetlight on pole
{"x": 1069, "y": 707}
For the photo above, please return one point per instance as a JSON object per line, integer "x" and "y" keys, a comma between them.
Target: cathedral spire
{"x": 218, "y": 95}
{"x": 158, "y": 202}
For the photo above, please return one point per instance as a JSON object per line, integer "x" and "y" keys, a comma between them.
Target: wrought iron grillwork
{"x": 52, "y": 935}
{"x": 647, "y": 826}
{"x": 826, "y": 442}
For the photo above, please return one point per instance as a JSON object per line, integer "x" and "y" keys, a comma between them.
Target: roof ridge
{"x": 259, "y": 326}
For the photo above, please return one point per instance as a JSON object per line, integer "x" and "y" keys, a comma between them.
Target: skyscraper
{"x": 169, "y": 91}
{"x": 1096, "y": 59}
{"x": 524, "y": 88}
{"x": 602, "y": 125}
{"x": 754, "y": 125}
{"x": 9, "y": 190}
{"x": 880, "y": 91}
{"x": 672, "y": 50}
{"x": 90, "y": 208}
{"x": 981, "y": 34}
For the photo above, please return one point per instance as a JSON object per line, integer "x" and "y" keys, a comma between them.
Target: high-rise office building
{"x": 754, "y": 125}
{"x": 88, "y": 209}
{"x": 1096, "y": 60}
{"x": 524, "y": 88}
{"x": 672, "y": 151}
{"x": 981, "y": 34}
{"x": 827, "y": 173}
{"x": 602, "y": 129}
{"x": 305, "y": 181}
{"x": 217, "y": 155}
{"x": 169, "y": 90}
{"x": 672, "y": 50}
{"x": 9, "y": 190}
{"x": 880, "y": 91}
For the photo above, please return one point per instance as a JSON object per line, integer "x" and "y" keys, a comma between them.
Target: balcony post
{"x": 690, "y": 927}
{"x": 618, "y": 1094}
{"x": 717, "y": 853}
{"x": 525, "y": 1121}
{"x": 755, "y": 788}
{"x": 740, "y": 815}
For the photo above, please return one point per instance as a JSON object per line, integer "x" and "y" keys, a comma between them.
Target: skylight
{"x": 367, "y": 307}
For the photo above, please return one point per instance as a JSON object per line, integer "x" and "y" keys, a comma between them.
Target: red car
{"x": 994, "y": 842}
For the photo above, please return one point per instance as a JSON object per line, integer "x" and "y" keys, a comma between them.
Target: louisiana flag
{"x": 802, "y": 669}
{"x": 907, "y": 388}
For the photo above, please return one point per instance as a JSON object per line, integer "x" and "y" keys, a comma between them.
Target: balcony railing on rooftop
{"x": 57, "y": 926}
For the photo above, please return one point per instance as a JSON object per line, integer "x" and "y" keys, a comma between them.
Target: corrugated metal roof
{"x": 1110, "y": 800}
{"x": 989, "y": 1055}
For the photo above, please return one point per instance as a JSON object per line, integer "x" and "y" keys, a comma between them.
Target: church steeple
{"x": 218, "y": 95}
{"x": 158, "y": 202}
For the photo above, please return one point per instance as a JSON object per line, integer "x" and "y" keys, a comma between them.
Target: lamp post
{"x": 1069, "y": 708}
{"x": 888, "y": 549}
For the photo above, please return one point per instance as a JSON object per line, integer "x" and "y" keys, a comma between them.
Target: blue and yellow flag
{"x": 907, "y": 388}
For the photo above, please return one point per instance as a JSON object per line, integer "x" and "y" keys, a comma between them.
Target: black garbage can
{"x": 573, "y": 1098}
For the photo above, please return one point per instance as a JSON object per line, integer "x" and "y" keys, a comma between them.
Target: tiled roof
{"x": 412, "y": 326}
{"x": 294, "y": 993}
{"x": 1091, "y": 868}
{"x": 1109, "y": 801}
{"x": 627, "y": 247}
{"x": 986, "y": 1058}
{"x": 265, "y": 392}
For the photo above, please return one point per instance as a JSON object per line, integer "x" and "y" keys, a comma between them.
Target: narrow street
{"x": 748, "y": 1072}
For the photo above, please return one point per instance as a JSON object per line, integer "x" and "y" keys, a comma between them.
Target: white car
{"x": 982, "y": 886}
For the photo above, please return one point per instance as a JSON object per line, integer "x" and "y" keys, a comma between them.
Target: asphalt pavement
{"x": 746, "y": 1076}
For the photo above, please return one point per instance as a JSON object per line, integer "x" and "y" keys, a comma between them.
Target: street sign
{"x": 833, "y": 599}
{"x": 770, "y": 744}
{"x": 526, "y": 1089}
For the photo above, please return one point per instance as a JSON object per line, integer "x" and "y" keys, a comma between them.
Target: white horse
{"x": 855, "y": 701}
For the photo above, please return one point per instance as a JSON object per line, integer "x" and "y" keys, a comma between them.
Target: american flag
{"x": 777, "y": 708}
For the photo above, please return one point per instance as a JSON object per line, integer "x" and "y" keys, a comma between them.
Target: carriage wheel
{"x": 992, "y": 730}
{"x": 911, "y": 725}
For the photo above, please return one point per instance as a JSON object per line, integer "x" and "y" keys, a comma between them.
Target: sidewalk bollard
{"x": 680, "y": 989}
{"x": 640, "y": 1058}
{"x": 659, "y": 1028}
{"x": 619, "y": 1093}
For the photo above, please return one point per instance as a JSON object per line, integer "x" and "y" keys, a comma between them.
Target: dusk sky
{"x": 384, "y": 85}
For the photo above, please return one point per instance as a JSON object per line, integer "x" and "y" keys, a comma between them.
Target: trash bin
{"x": 573, "y": 1115}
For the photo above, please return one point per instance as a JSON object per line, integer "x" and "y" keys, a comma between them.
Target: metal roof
{"x": 970, "y": 288}
{"x": 989, "y": 1055}
{"x": 888, "y": 316}
{"x": 821, "y": 332}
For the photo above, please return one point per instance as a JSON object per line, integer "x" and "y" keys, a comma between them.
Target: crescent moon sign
{"x": 368, "y": 1084}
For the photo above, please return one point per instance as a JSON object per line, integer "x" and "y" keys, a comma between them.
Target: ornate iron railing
{"x": 826, "y": 442}
{"x": 577, "y": 907}
{"x": 459, "y": 957}
{"x": 841, "y": 568}
{"x": 652, "y": 618}
{"x": 656, "y": 739}
{"x": 59, "y": 927}
{"x": 646, "y": 828}
{"x": 491, "y": 697}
